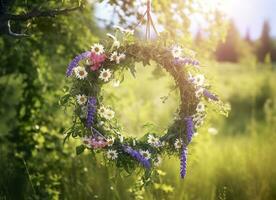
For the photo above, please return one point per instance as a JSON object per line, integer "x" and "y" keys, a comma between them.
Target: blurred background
{"x": 230, "y": 158}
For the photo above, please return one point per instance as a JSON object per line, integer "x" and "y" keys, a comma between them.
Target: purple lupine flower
{"x": 189, "y": 128}
{"x": 183, "y": 161}
{"x": 135, "y": 154}
{"x": 185, "y": 61}
{"x": 209, "y": 95}
{"x": 91, "y": 110}
{"x": 76, "y": 61}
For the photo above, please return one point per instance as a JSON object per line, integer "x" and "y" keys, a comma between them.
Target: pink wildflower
{"x": 96, "y": 61}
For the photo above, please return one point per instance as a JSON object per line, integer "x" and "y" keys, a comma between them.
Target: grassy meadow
{"x": 230, "y": 158}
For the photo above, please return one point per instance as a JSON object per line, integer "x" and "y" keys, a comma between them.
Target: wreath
{"x": 95, "y": 123}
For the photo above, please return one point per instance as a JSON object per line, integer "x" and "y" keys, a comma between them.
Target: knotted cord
{"x": 149, "y": 22}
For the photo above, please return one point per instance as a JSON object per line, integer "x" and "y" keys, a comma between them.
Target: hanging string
{"x": 149, "y": 21}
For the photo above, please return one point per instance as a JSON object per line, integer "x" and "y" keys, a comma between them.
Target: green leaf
{"x": 80, "y": 149}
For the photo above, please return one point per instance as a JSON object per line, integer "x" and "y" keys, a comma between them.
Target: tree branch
{"x": 17, "y": 35}
{"x": 5, "y": 18}
{"x": 37, "y": 13}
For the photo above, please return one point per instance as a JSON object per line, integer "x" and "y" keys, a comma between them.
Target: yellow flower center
{"x": 81, "y": 73}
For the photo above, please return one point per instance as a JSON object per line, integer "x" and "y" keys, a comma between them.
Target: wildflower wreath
{"x": 95, "y": 123}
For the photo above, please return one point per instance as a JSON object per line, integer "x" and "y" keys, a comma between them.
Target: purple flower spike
{"x": 76, "y": 61}
{"x": 189, "y": 128}
{"x": 183, "y": 161}
{"x": 135, "y": 154}
{"x": 209, "y": 95}
{"x": 91, "y": 110}
{"x": 185, "y": 61}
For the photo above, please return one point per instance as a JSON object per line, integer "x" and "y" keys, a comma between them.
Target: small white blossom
{"x": 80, "y": 72}
{"x": 178, "y": 144}
{"x": 101, "y": 111}
{"x": 158, "y": 161}
{"x": 199, "y": 80}
{"x": 199, "y": 92}
{"x": 110, "y": 141}
{"x": 112, "y": 154}
{"x": 154, "y": 141}
{"x": 113, "y": 56}
{"x": 109, "y": 114}
{"x": 177, "y": 51}
{"x": 97, "y": 49}
{"x": 117, "y": 57}
{"x": 200, "y": 107}
{"x": 146, "y": 154}
{"x": 81, "y": 99}
{"x": 106, "y": 113}
{"x": 121, "y": 57}
{"x": 105, "y": 75}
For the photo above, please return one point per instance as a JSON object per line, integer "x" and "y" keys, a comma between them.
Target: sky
{"x": 247, "y": 14}
{"x": 250, "y": 14}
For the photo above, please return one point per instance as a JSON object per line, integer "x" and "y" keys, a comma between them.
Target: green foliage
{"x": 35, "y": 135}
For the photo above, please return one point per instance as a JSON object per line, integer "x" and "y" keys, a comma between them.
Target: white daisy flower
{"x": 151, "y": 139}
{"x": 199, "y": 80}
{"x": 102, "y": 111}
{"x": 112, "y": 154}
{"x": 121, "y": 57}
{"x": 113, "y": 56}
{"x": 158, "y": 161}
{"x": 212, "y": 131}
{"x": 80, "y": 72}
{"x": 199, "y": 92}
{"x": 81, "y": 99}
{"x": 178, "y": 144}
{"x": 200, "y": 107}
{"x": 154, "y": 141}
{"x": 109, "y": 114}
{"x": 176, "y": 51}
{"x": 110, "y": 141}
{"x": 105, "y": 75}
{"x": 146, "y": 154}
{"x": 134, "y": 142}
{"x": 97, "y": 49}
